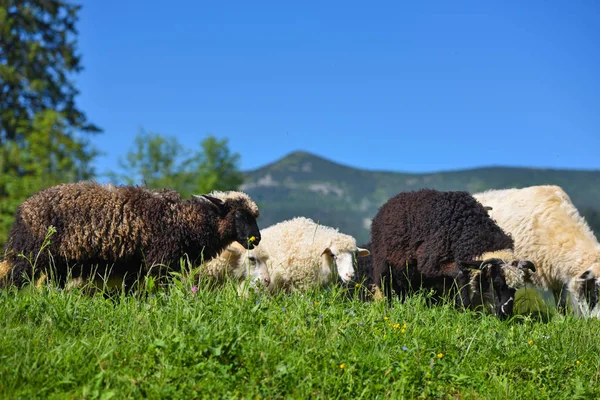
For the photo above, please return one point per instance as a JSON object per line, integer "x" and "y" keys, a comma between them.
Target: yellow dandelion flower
{"x": 357, "y": 285}
{"x": 403, "y": 330}
{"x": 251, "y": 239}
{"x": 343, "y": 365}
{"x": 577, "y": 362}
{"x": 385, "y": 318}
{"x": 404, "y": 327}
{"x": 396, "y": 326}
{"x": 440, "y": 355}
{"x": 531, "y": 342}
{"x": 316, "y": 303}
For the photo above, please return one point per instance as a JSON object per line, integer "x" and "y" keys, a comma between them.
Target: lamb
{"x": 433, "y": 239}
{"x": 240, "y": 264}
{"x": 124, "y": 231}
{"x": 548, "y": 229}
{"x": 305, "y": 254}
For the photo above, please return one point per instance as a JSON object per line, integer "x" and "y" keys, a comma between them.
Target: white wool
{"x": 236, "y": 262}
{"x": 548, "y": 230}
{"x": 299, "y": 251}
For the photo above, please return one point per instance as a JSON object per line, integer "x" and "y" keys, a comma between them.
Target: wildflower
{"x": 283, "y": 308}
{"x": 195, "y": 289}
{"x": 316, "y": 303}
{"x": 577, "y": 362}
{"x": 530, "y": 342}
{"x": 251, "y": 239}
{"x": 385, "y": 318}
{"x": 343, "y": 365}
{"x": 357, "y": 285}
{"x": 440, "y": 355}
{"x": 362, "y": 323}
{"x": 404, "y": 348}
{"x": 396, "y": 326}
{"x": 320, "y": 315}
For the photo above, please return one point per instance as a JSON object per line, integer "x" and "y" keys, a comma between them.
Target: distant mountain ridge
{"x": 303, "y": 184}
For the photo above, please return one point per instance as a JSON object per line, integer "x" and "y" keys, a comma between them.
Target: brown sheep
{"x": 123, "y": 231}
{"x": 432, "y": 239}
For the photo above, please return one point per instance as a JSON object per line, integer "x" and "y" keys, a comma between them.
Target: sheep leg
{"x": 463, "y": 280}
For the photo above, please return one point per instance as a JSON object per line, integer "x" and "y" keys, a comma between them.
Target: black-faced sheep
{"x": 433, "y": 239}
{"x": 304, "y": 254}
{"x": 124, "y": 231}
{"x": 547, "y": 229}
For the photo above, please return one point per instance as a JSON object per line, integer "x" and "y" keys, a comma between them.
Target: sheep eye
{"x": 252, "y": 259}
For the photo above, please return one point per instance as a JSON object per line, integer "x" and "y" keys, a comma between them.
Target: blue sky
{"x": 403, "y": 86}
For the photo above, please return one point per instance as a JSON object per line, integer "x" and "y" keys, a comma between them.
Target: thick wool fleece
{"x": 298, "y": 253}
{"x": 234, "y": 262}
{"x": 125, "y": 230}
{"x": 548, "y": 230}
{"x": 420, "y": 236}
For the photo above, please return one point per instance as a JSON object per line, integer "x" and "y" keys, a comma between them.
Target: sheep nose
{"x": 266, "y": 281}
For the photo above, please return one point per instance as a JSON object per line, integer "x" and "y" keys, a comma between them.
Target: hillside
{"x": 345, "y": 197}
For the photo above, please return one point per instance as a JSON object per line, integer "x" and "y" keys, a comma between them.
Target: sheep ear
{"x": 234, "y": 250}
{"x": 363, "y": 252}
{"x": 526, "y": 265}
{"x": 326, "y": 251}
{"x": 220, "y": 204}
{"x": 487, "y": 208}
{"x": 587, "y": 275}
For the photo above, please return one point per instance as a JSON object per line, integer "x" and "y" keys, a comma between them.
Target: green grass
{"x": 215, "y": 344}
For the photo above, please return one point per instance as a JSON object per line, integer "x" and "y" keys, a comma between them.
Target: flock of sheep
{"x": 478, "y": 249}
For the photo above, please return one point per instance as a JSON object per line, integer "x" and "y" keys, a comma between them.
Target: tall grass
{"x": 206, "y": 342}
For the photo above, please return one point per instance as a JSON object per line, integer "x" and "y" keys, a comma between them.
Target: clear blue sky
{"x": 406, "y": 86}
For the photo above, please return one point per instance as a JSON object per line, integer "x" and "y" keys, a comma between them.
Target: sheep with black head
{"x": 433, "y": 239}
{"x": 123, "y": 231}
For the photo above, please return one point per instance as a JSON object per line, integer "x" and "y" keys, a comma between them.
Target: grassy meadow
{"x": 206, "y": 342}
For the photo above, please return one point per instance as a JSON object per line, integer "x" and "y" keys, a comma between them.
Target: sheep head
{"x": 239, "y": 214}
{"x": 588, "y": 288}
{"x": 250, "y": 264}
{"x": 494, "y": 282}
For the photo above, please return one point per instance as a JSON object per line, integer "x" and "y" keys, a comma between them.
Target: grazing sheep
{"x": 304, "y": 254}
{"x": 123, "y": 231}
{"x": 547, "y": 229}
{"x": 240, "y": 264}
{"x": 433, "y": 239}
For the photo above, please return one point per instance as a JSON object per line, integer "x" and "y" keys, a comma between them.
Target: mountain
{"x": 302, "y": 184}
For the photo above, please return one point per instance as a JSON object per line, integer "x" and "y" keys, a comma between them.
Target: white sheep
{"x": 248, "y": 266}
{"x": 548, "y": 230}
{"x": 305, "y": 254}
